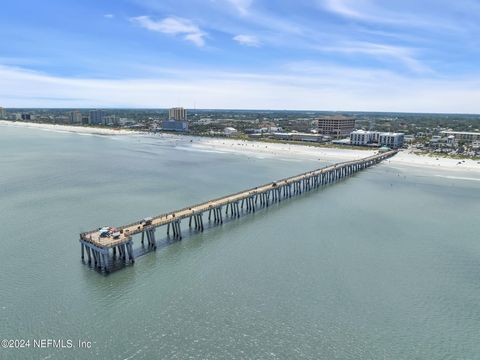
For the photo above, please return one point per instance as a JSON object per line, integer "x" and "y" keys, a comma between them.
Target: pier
{"x": 101, "y": 248}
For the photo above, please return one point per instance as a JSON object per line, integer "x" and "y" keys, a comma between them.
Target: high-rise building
{"x": 75, "y": 117}
{"x": 335, "y": 126}
{"x": 178, "y": 113}
{"x": 97, "y": 117}
{"x": 3, "y": 113}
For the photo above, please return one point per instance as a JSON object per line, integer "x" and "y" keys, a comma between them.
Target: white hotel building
{"x": 365, "y": 138}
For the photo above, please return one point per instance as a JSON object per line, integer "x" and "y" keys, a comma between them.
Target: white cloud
{"x": 342, "y": 7}
{"x": 173, "y": 26}
{"x": 247, "y": 40}
{"x": 109, "y": 16}
{"x": 298, "y": 86}
{"x": 241, "y": 6}
{"x": 404, "y": 55}
{"x": 394, "y": 13}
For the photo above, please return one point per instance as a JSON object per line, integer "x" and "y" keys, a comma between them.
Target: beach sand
{"x": 403, "y": 158}
{"x": 69, "y": 128}
{"x": 281, "y": 150}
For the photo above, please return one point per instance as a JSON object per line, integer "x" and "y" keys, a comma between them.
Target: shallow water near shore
{"x": 384, "y": 265}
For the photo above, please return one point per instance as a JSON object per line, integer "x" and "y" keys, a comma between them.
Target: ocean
{"x": 383, "y": 265}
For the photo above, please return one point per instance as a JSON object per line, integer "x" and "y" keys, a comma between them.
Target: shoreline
{"x": 76, "y": 129}
{"x": 294, "y": 151}
{"x": 403, "y": 158}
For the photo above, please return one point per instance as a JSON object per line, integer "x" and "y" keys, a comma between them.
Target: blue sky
{"x": 370, "y": 55}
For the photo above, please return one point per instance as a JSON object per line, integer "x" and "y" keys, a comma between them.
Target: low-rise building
{"x": 392, "y": 140}
{"x": 409, "y": 138}
{"x": 451, "y": 140}
{"x": 229, "y": 131}
{"x": 361, "y": 137}
{"x": 366, "y": 138}
{"x": 463, "y": 135}
{"x": 174, "y": 125}
{"x": 298, "y": 136}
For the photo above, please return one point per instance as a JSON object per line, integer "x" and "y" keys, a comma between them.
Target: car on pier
{"x": 104, "y": 232}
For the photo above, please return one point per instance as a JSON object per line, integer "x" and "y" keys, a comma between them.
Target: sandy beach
{"x": 281, "y": 150}
{"x": 404, "y": 158}
{"x": 69, "y": 128}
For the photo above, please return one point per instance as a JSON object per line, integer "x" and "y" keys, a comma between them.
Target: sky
{"x": 334, "y": 55}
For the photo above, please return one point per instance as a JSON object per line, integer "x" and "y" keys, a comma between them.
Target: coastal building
{"x": 366, "y": 138}
{"x": 409, "y": 138}
{"x": 174, "y": 125}
{"x": 26, "y": 117}
{"x": 177, "y": 113}
{"x": 361, "y": 137}
{"x": 75, "y": 117}
{"x": 463, "y": 135}
{"x": 392, "y": 140}
{"x": 451, "y": 140}
{"x": 3, "y": 113}
{"x": 298, "y": 136}
{"x": 111, "y": 120}
{"x": 97, "y": 117}
{"x": 335, "y": 126}
{"x": 229, "y": 131}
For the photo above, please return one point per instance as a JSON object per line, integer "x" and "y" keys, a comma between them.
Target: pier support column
{"x": 89, "y": 254}
{"x": 179, "y": 230}
{"x": 129, "y": 247}
{"x": 220, "y": 214}
{"x": 151, "y": 238}
{"x": 105, "y": 262}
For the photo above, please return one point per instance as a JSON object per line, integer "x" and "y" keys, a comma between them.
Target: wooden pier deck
{"x": 102, "y": 250}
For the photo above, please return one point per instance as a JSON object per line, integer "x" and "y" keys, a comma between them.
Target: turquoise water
{"x": 385, "y": 265}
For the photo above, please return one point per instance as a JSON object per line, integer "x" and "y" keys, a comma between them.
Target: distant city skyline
{"x": 331, "y": 55}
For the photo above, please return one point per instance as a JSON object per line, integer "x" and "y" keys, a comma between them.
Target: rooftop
{"x": 461, "y": 132}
